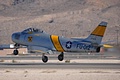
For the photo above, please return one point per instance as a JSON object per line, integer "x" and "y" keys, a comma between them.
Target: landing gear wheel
{"x": 61, "y": 57}
{"x": 44, "y": 59}
{"x": 15, "y": 52}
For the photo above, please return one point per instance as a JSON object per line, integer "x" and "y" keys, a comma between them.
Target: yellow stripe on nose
{"x": 99, "y": 31}
{"x": 56, "y": 43}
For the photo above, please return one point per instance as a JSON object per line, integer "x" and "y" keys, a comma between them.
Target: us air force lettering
{"x": 37, "y": 40}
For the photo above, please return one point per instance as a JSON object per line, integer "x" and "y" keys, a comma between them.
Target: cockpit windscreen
{"x": 32, "y": 30}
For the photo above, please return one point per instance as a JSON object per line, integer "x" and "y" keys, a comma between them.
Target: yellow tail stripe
{"x": 99, "y": 31}
{"x": 56, "y": 43}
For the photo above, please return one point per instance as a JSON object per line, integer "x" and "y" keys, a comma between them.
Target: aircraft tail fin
{"x": 97, "y": 35}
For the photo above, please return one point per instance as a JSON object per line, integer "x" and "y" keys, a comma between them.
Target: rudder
{"x": 97, "y": 35}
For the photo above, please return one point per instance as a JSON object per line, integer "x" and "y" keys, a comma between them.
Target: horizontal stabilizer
{"x": 107, "y": 46}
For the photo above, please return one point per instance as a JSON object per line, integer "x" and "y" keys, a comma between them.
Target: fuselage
{"x": 52, "y": 42}
{"x": 38, "y": 40}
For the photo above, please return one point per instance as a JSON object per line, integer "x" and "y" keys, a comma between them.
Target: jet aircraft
{"x": 37, "y": 40}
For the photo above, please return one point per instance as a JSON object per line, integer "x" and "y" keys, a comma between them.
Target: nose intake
{"x": 15, "y": 36}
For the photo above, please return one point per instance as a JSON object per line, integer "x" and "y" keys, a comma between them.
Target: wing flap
{"x": 37, "y": 49}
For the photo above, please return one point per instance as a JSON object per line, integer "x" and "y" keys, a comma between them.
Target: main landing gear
{"x": 61, "y": 56}
{"x": 45, "y": 58}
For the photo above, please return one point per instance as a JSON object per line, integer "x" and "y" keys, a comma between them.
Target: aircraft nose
{"x": 15, "y": 36}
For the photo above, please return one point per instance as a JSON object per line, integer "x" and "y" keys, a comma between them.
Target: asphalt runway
{"x": 56, "y": 65}
{"x": 61, "y": 65}
{"x": 54, "y": 57}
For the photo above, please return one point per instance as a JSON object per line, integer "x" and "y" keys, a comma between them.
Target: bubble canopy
{"x": 33, "y": 30}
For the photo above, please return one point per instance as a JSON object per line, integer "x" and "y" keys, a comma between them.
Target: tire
{"x": 60, "y": 57}
{"x": 44, "y": 59}
{"x": 15, "y": 52}
{"x": 98, "y": 50}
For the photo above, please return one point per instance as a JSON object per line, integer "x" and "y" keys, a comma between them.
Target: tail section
{"x": 97, "y": 35}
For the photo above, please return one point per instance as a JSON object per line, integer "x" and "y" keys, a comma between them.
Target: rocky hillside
{"x": 71, "y": 18}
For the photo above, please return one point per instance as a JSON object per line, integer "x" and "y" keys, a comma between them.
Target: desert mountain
{"x": 71, "y": 18}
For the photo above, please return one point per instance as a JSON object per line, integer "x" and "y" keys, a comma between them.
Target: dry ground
{"x": 58, "y": 74}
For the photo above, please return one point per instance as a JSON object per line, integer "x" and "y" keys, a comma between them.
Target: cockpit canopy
{"x": 32, "y": 30}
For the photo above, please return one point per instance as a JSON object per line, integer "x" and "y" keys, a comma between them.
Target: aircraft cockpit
{"x": 32, "y": 30}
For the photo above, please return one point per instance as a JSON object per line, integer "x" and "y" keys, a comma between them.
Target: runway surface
{"x": 62, "y": 65}
{"x": 54, "y": 57}
{"x": 95, "y": 64}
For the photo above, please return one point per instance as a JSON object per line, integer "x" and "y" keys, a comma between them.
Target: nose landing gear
{"x": 15, "y": 52}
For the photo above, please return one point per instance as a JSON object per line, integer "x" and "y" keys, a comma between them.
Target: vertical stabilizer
{"x": 97, "y": 35}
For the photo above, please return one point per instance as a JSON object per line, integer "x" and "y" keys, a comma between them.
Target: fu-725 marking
{"x": 84, "y": 46}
